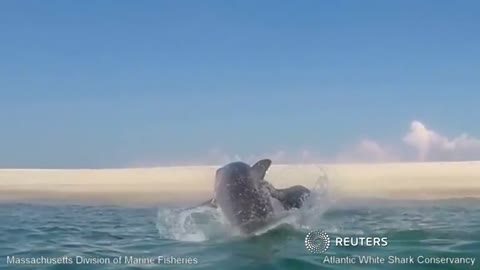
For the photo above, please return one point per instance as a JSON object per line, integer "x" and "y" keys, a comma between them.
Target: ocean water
{"x": 107, "y": 237}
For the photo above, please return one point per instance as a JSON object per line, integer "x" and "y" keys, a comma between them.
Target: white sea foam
{"x": 204, "y": 223}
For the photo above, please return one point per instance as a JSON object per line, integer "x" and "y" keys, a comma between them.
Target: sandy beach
{"x": 434, "y": 180}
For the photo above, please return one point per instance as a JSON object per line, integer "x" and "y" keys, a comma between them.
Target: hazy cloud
{"x": 427, "y": 144}
{"x": 431, "y": 145}
{"x": 217, "y": 156}
{"x": 367, "y": 150}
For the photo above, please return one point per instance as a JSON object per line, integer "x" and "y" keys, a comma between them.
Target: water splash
{"x": 193, "y": 225}
{"x": 205, "y": 223}
{"x": 319, "y": 201}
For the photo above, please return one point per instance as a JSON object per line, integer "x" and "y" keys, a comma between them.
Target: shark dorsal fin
{"x": 260, "y": 168}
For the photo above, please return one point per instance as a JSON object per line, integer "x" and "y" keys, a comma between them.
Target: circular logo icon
{"x": 317, "y": 241}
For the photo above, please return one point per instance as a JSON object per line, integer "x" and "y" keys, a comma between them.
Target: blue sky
{"x": 115, "y": 83}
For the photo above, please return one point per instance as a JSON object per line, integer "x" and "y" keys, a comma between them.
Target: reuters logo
{"x": 317, "y": 241}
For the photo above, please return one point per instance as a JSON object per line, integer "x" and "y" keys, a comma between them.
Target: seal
{"x": 291, "y": 197}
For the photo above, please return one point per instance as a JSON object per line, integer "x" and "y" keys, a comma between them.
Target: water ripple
{"x": 431, "y": 228}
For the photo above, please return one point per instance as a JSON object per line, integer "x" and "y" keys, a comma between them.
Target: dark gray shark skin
{"x": 241, "y": 198}
{"x": 245, "y": 197}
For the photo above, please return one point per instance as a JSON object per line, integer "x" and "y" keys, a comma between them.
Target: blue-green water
{"x": 204, "y": 241}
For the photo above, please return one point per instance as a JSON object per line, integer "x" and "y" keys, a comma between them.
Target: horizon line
{"x": 220, "y": 165}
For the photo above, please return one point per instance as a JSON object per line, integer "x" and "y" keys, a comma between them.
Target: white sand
{"x": 169, "y": 184}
